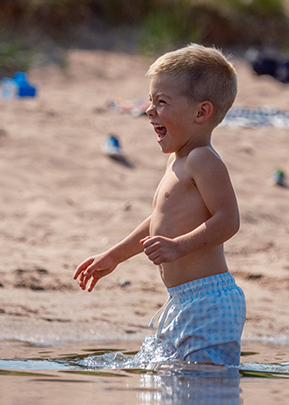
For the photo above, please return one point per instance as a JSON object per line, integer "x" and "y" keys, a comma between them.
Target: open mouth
{"x": 161, "y": 131}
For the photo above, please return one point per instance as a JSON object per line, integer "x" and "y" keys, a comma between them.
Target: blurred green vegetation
{"x": 14, "y": 56}
{"x": 29, "y": 27}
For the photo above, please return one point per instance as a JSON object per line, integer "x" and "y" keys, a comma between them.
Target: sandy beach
{"x": 63, "y": 199}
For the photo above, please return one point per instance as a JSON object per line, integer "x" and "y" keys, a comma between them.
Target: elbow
{"x": 231, "y": 226}
{"x": 235, "y": 225}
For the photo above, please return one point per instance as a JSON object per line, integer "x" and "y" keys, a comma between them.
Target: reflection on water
{"x": 153, "y": 375}
{"x": 200, "y": 385}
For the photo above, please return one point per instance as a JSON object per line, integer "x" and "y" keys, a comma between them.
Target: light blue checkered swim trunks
{"x": 204, "y": 320}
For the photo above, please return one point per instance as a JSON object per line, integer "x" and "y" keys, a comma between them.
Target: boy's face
{"x": 172, "y": 115}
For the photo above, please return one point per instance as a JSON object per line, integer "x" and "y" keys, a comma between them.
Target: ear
{"x": 204, "y": 112}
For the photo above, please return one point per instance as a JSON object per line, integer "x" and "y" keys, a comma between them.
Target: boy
{"x": 194, "y": 210}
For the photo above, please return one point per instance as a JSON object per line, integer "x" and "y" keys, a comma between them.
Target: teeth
{"x": 160, "y": 130}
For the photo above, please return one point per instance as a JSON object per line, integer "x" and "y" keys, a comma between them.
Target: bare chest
{"x": 176, "y": 191}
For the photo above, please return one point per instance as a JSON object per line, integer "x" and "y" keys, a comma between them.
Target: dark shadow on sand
{"x": 122, "y": 160}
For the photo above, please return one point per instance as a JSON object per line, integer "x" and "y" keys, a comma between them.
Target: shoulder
{"x": 204, "y": 157}
{"x": 205, "y": 166}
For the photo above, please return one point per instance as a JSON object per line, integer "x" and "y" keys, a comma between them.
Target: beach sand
{"x": 62, "y": 200}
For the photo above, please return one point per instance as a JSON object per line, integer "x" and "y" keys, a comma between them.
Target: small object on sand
{"x": 25, "y": 89}
{"x": 122, "y": 282}
{"x": 19, "y": 86}
{"x": 112, "y": 147}
{"x": 135, "y": 107}
{"x": 279, "y": 177}
{"x": 8, "y": 88}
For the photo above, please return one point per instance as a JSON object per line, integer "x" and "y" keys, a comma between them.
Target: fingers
{"x": 93, "y": 269}
{"x": 82, "y": 267}
{"x": 152, "y": 249}
{"x": 92, "y": 284}
{"x": 83, "y": 281}
{"x": 144, "y": 240}
{"x": 158, "y": 249}
{"x": 97, "y": 275}
{"x": 156, "y": 260}
{"x": 150, "y": 244}
{"x": 83, "y": 274}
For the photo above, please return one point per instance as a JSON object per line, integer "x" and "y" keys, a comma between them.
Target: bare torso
{"x": 178, "y": 208}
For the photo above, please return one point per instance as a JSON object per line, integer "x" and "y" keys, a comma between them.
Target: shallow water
{"x": 90, "y": 373}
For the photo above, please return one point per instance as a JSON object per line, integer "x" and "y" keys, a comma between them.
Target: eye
{"x": 162, "y": 102}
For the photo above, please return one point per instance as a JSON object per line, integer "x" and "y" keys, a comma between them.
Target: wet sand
{"x": 62, "y": 200}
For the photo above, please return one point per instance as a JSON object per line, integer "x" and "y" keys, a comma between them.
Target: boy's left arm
{"x": 213, "y": 182}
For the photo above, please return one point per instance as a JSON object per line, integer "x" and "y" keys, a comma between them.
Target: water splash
{"x": 156, "y": 354}
{"x": 153, "y": 352}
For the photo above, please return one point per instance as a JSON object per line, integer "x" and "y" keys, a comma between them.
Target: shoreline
{"x": 51, "y": 336}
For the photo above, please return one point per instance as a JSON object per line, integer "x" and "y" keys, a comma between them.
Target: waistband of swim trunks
{"x": 211, "y": 284}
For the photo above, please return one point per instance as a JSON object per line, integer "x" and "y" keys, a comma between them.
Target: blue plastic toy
{"x": 17, "y": 87}
{"x": 25, "y": 89}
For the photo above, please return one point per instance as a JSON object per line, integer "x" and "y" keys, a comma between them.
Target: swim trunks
{"x": 203, "y": 320}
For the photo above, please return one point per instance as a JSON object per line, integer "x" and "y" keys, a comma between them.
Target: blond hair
{"x": 205, "y": 74}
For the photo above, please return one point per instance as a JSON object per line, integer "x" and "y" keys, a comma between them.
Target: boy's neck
{"x": 202, "y": 140}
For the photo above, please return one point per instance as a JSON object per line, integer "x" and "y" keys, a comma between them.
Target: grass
{"x": 228, "y": 23}
{"x": 14, "y": 57}
{"x": 161, "y": 24}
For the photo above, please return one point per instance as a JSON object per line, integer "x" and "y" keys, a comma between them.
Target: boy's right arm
{"x": 96, "y": 267}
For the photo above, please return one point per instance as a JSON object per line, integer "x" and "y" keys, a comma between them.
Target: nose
{"x": 150, "y": 111}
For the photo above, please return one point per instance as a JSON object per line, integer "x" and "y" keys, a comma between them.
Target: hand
{"x": 94, "y": 268}
{"x": 160, "y": 249}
